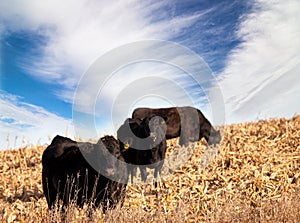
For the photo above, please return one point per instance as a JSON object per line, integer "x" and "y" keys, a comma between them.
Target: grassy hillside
{"x": 255, "y": 177}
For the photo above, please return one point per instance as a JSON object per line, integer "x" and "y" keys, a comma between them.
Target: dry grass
{"x": 254, "y": 178}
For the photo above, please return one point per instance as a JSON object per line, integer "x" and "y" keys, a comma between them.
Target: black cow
{"x": 187, "y": 122}
{"x": 67, "y": 176}
{"x": 143, "y": 144}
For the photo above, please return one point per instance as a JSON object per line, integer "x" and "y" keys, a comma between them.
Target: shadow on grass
{"x": 25, "y": 196}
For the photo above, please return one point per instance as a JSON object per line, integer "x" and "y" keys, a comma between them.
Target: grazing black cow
{"x": 187, "y": 122}
{"x": 67, "y": 176}
{"x": 143, "y": 144}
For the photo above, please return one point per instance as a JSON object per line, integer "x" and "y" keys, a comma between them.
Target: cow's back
{"x": 187, "y": 122}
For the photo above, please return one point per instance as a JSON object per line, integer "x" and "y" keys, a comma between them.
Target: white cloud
{"x": 22, "y": 123}
{"x": 261, "y": 78}
{"x": 81, "y": 31}
{"x": 78, "y": 32}
{"x": 154, "y": 74}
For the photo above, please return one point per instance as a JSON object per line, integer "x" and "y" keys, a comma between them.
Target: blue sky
{"x": 251, "y": 48}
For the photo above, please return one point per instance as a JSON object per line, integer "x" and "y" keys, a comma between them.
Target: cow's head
{"x": 141, "y": 136}
{"x": 126, "y": 134}
{"x": 157, "y": 128}
{"x": 111, "y": 144}
{"x": 215, "y": 137}
{"x": 112, "y": 152}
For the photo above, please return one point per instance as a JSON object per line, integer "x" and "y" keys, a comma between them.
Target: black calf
{"x": 143, "y": 144}
{"x": 67, "y": 176}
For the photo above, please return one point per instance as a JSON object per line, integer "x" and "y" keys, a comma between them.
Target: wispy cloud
{"x": 22, "y": 123}
{"x": 136, "y": 74}
{"x": 79, "y": 32}
{"x": 261, "y": 78}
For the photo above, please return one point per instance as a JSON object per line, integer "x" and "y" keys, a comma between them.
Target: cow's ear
{"x": 58, "y": 139}
{"x": 162, "y": 122}
{"x": 126, "y": 145}
{"x": 141, "y": 122}
{"x": 127, "y": 121}
{"x": 65, "y": 147}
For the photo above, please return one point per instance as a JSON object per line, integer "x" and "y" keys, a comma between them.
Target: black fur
{"x": 187, "y": 122}
{"x": 147, "y": 144}
{"x": 68, "y": 177}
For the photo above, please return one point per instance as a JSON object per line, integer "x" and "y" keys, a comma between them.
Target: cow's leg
{"x": 183, "y": 140}
{"x": 204, "y": 132}
{"x": 49, "y": 190}
{"x": 132, "y": 173}
{"x": 157, "y": 178}
{"x": 143, "y": 173}
{"x": 156, "y": 175}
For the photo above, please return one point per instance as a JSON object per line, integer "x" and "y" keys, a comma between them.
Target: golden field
{"x": 254, "y": 177}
